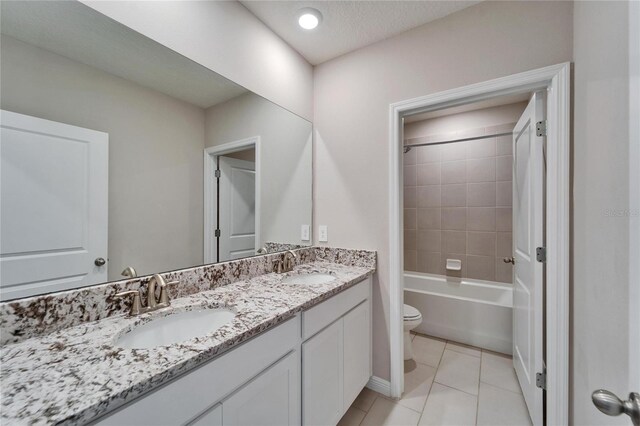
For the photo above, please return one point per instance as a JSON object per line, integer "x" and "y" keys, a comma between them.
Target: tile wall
{"x": 457, "y": 204}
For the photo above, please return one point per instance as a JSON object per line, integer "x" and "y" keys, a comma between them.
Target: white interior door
{"x": 237, "y": 208}
{"x": 528, "y": 210}
{"x": 53, "y": 206}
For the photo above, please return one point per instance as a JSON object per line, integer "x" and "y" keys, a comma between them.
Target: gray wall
{"x": 226, "y": 38}
{"x": 600, "y": 198}
{"x": 155, "y": 152}
{"x": 285, "y": 160}
{"x": 352, "y": 94}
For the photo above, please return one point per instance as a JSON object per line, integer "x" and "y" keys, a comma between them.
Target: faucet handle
{"x": 278, "y": 266}
{"x": 136, "y": 306}
{"x": 164, "y": 294}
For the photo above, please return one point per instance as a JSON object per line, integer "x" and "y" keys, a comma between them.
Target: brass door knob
{"x": 100, "y": 261}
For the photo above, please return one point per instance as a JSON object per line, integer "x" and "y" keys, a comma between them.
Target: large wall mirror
{"x": 120, "y": 157}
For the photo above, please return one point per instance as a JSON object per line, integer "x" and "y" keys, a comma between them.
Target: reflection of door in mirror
{"x": 67, "y": 63}
{"x": 236, "y": 206}
{"x": 53, "y": 219}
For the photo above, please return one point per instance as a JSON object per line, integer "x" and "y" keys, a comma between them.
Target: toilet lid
{"x": 411, "y": 313}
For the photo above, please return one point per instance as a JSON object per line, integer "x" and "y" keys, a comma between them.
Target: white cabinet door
{"x": 272, "y": 398}
{"x": 357, "y": 352}
{"x": 53, "y": 209}
{"x": 322, "y": 355}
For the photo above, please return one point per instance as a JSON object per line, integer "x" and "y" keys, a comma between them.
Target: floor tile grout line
{"x": 500, "y": 387}
{"x": 431, "y": 387}
{"x": 442, "y": 384}
{"x": 421, "y": 413}
{"x": 479, "y": 381}
{"x": 370, "y": 407}
{"x": 449, "y": 386}
{"x": 456, "y": 389}
{"x": 498, "y": 354}
{"x": 361, "y": 420}
{"x": 463, "y": 353}
{"x": 365, "y": 414}
{"x": 506, "y": 390}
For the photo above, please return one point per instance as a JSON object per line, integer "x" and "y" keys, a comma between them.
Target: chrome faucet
{"x": 289, "y": 261}
{"x": 153, "y": 303}
{"x": 130, "y": 272}
{"x": 285, "y": 263}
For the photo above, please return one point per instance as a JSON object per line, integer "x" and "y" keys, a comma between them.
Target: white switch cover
{"x": 323, "y": 234}
{"x": 304, "y": 233}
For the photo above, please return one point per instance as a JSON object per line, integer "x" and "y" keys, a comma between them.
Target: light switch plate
{"x": 323, "y": 233}
{"x": 304, "y": 232}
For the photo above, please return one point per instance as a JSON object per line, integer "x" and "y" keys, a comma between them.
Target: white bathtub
{"x": 474, "y": 312}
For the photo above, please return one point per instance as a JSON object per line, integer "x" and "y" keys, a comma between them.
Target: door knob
{"x": 509, "y": 260}
{"x": 99, "y": 261}
{"x": 611, "y": 405}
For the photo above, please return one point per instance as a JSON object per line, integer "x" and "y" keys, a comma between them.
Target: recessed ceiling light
{"x": 309, "y": 18}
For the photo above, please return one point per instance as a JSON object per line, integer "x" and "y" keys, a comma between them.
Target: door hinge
{"x": 541, "y": 128}
{"x": 217, "y": 233}
{"x": 541, "y": 254}
{"x": 217, "y": 174}
{"x": 541, "y": 380}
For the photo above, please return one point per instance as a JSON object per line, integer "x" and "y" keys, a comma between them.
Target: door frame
{"x": 634, "y": 195}
{"x": 211, "y": 155}
{"x": 556, "y": 80}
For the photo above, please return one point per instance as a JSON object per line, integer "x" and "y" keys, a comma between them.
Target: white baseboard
{"x": 379, "y": 385}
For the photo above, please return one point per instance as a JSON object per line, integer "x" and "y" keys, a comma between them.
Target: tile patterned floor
{"x": 447, "y": 384}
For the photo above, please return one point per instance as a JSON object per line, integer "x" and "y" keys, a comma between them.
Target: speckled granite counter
{"x": 76, "y": 374}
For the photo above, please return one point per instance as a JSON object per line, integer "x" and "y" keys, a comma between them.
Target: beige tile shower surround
{"x": 457, "y": 204}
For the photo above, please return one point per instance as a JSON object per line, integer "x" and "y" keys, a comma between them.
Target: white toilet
{"x": 412, "y": 319}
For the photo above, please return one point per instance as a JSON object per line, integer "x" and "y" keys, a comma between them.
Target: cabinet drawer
{"x": 320, "y": 316}
{"x": 191, "y": 394}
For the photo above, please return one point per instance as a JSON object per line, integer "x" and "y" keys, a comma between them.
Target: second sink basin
{"x": 175, "y": 328}
{"x": 313, "y": 278}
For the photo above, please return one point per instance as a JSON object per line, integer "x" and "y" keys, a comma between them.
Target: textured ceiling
{"x": 74, "y": 30}
{"x": 347, "y": 25}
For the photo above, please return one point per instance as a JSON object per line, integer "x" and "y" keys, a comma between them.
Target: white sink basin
{"x": 175, "y": 328}
{"x": 313, "y": 278}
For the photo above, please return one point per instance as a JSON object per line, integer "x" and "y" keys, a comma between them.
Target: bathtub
{"x": 474, "y": 312}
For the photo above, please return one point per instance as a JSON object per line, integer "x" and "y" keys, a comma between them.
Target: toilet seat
{"x": 411, "y": 313}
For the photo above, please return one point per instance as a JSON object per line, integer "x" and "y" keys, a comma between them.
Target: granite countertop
{"x": 77, "y": 374}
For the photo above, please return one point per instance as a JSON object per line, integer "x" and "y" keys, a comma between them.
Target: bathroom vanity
{"x": 297, "y": 351}
{"x": 315, "y": 364}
